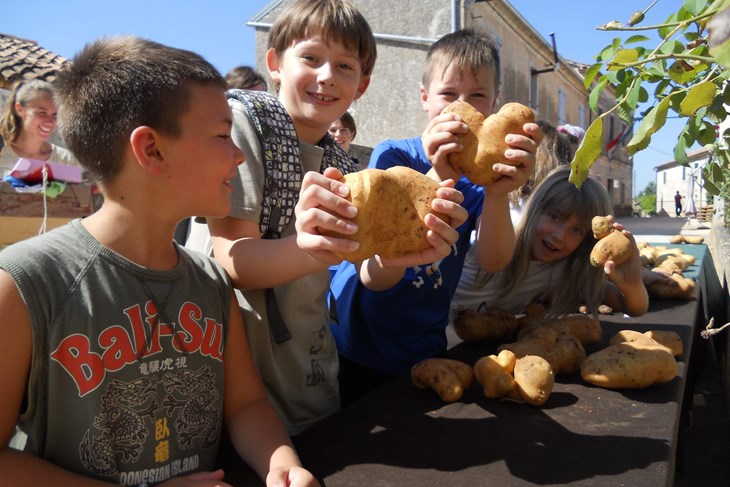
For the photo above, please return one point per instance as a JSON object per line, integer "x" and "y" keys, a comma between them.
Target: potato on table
{"x": 448, "y": 378}
{"x": 629, "y": 365}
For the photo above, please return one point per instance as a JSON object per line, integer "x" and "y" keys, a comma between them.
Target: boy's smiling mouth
{"x": 322, "y": 97}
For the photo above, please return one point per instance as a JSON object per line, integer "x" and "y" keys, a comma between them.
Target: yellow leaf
{"x": 587, "y": 153}
{"x": 700, "y": 95}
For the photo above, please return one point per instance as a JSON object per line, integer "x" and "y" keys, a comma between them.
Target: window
{"x": 581, "y": 115}
{"x": 684, "y": 173}
{"x": 561, "y": 106}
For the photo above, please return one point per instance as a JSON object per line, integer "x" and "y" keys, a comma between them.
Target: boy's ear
{"x": 423, "y": 94}
{"x": 145, "y": 143}
{"x": 272, "y": 65}
{"x": 364, "y": 83}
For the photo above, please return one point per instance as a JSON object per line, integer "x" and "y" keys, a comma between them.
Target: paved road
{"x": 661, "y": 228}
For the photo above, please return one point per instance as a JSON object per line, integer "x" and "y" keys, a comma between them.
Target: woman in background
{"x": 26, "y": 123}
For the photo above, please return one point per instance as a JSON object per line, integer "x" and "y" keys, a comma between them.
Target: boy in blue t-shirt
{"x": 390, "y": 318}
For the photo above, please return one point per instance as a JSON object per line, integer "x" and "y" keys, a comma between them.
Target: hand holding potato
{"x": 441, "y": 137}
{"x": 323, "y": 207}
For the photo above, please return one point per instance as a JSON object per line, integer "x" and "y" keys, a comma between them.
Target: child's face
{"x": 318, "y": 82}
{"x": 478, "y": 89}
{"x": 203, "y": 158}
{"x": 38, "y": 115}
{"x": 556, "y": 236}
{"x": 341, "y": 134}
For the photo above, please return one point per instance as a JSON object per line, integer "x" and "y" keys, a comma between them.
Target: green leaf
{"x": 700, "y": 95}
{"x": 632, "y": 99}
{"x": 680, "y": 152}
{"x": 653, "y": 121}
{"x": 719, "y": 28}
{"x": 589, "y": 150}
{"x": 593, "y": 97}
{"x": 591, "y": 73}
{"x": 636, "y": 38}
{"x": 623, "y": 57}
{"x": 694, "y": 6}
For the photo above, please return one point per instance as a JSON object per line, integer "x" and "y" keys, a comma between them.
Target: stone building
{"x": 532, "y": 74}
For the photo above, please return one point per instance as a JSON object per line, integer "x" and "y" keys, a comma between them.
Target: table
{"x": 584, "y": 435}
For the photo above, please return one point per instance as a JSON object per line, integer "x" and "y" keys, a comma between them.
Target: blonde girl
{"x": 551, "y": 259}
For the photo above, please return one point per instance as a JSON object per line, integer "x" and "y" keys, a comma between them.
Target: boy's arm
{"x": 254, "y": 426}
{"x": 257, "y": 263}
{"x": 18, "y": 468}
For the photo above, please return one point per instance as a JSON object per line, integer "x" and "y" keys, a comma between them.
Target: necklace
{"x": 161, "y": 314}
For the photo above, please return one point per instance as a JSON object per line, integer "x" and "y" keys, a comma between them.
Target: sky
{"x": 217, "y": 30}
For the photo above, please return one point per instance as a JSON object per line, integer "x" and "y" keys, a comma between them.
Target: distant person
{"x": 26, "y": 123}
{"x": 343, "y": 130}
{"x": 245, "y": 78}
{"x": 123, "y": 354}
{"x": 678, "y": 204}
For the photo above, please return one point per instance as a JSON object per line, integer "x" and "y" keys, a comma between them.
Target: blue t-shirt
{"x": 392, "y": 330}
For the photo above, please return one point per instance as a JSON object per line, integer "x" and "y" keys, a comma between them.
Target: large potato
{"x": 391, "y": 207}
{"x": 629, "y": 365}
{"x": 484, "y": 143}
{"x": 615, "y": 246}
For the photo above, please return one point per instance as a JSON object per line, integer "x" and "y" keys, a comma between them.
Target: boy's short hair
{"x": 333, "y": 20}
{"x": 117, "y": 84}
{"x": 244, "y": 78}
{"x": 463, "y": 48}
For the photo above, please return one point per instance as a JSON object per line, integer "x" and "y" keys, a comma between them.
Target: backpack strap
{"x": 282, "y": 158}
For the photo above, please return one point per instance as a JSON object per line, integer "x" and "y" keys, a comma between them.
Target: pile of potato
{"x": 671, "y": 261}
{"x": 534, "y": 350}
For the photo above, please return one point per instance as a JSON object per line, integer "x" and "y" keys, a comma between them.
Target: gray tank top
{"x": 126, "y": 382}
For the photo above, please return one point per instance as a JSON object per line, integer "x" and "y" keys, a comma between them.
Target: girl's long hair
{"x": 22, "y": 92}
{"x": 580, "y": 283}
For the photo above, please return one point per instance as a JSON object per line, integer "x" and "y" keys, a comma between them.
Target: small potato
{"x": 601, "y": 227}
{"x": 678, "y": 288}
{"x": 694, "y": 239}
{"x": 448, "y": 378}
{"x": 629, "y": 366}
{"x": 494, "y": 373}
{"x": 669, "y": 339}
{"x": 678, "y": 260}
{"x": 676, "y": 239}
{"x": 616, "y": 247}
{"x": 635, "y": 337}
{"x": 534, "y": 379}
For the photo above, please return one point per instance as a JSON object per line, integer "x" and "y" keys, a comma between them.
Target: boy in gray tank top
{"x": 123, "y": 354}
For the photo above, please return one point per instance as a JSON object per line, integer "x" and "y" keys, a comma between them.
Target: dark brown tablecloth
{"x": 584, "y": 435}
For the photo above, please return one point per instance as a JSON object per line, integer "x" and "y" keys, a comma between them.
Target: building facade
{"x": 672, "y": 177}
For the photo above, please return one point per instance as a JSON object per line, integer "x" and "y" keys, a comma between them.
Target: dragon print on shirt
{"x": 168, "y": 405}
